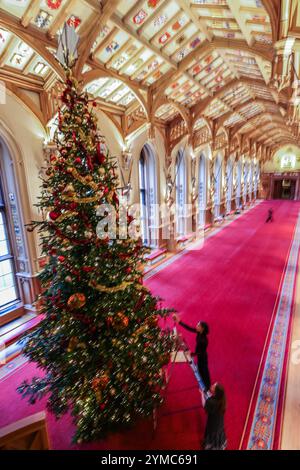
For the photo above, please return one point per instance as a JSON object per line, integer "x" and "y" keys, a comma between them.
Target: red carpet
{"x": 232, "y": 283}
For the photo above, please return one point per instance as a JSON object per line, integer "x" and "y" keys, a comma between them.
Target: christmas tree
{"x": 100, "y": 344}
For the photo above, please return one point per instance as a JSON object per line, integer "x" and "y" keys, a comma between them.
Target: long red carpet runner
{"x": 242, "y": 283}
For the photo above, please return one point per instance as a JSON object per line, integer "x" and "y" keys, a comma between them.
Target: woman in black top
{"x": 202, "y": 331}
{"x": 215, "y": 406}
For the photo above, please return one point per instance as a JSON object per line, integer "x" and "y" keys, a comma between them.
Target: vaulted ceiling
{"x": 166, "y": 58}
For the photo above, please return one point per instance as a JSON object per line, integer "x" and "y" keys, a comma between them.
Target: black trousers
{"x": 269, "y": 219}
{"x": 203, "y": 371}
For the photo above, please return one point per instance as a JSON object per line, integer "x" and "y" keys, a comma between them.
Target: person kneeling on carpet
{"x": 215, "y": 406}
{"x": 202, "y": 331}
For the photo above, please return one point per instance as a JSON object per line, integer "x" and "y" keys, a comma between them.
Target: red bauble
{"x": 103, "y": 380}
{"x": 120, "y": 321}
{"x": 73, "y": 205}
{"x": 78, "y": 160}
{"x": 53, "y": 215}
{"x": 87, "y": 269}
{"x": 76, "y": 301}
{"x": 61, "y": 258}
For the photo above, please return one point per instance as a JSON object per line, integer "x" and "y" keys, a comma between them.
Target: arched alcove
{"x": 202, "y": 189}
{"x": 181, "y": 192}
{"x": 9, "y": 236}
{"x": 246, "y": 168}
{"x": 287, "y": 158}
{"x": 218, "y": 184}
{"x": 256, "y": 178}
{"x": 148, "y": 196}
{"x": 14, "y": 261}
{"x": 251, "y": 173}
{"x": 238, "y": 183}
{"x": 112, "y": 90}
{"x": 229, "y": 184}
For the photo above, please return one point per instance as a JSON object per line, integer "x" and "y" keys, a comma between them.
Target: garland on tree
{"x": 100, "y": 343}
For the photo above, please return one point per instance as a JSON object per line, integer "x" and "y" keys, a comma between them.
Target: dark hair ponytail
{"x": 219, "y": 395}
{"x": 205, "y": 328}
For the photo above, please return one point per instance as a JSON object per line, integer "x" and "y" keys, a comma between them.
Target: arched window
{"x": 9, "y": 293}
{"x": 256, "y": 179}
{"x": 218, "y": 184}
{"x": 180, "y": 193}
{"x": 238, "y": 183}
{"x": 229, "y": 182}
{"x": 250, "y": 179}
{"x": 148, "y": 196}
{"x": 202, "y": 198}
{"x": 245, "y": 181}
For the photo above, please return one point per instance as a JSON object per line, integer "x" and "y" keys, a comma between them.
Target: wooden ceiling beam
{"x": 235, "y": 6}
{"x": 119, "y": 52}
{"x": 204, "y": 6}
{"x": 166, "y": 26}
{"x": 132, "y": 59}
{"x": 173, "y": 39}
{"x": 199, "y": 23}
{"x": 135, "y": 7}
{"x": 31, "y": 12}
{"x": 28, "y": 82}
{"x": 12, "y": 44}
{"x": 28, "y": 66}
{"x": 273, "y": 9}
{"x": 206, "y": 47}
{"x": 199, "y": 108}
{"x": 106, "y": 40}
{"x": 105, "y": 11}
{"x": 142, "y": 67}
{"x": 118, "y": 22}
{"x": 99, "y": 70}
{"x": 263, "y": 116}
{"x": 184, "y": 44}
{"x": 150, "y": 18}
{"x": 228, "y": 63}
{"x": 37, "y": 40}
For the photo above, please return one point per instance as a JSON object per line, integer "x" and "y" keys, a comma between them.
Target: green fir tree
{"x": 100, "y": 344}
